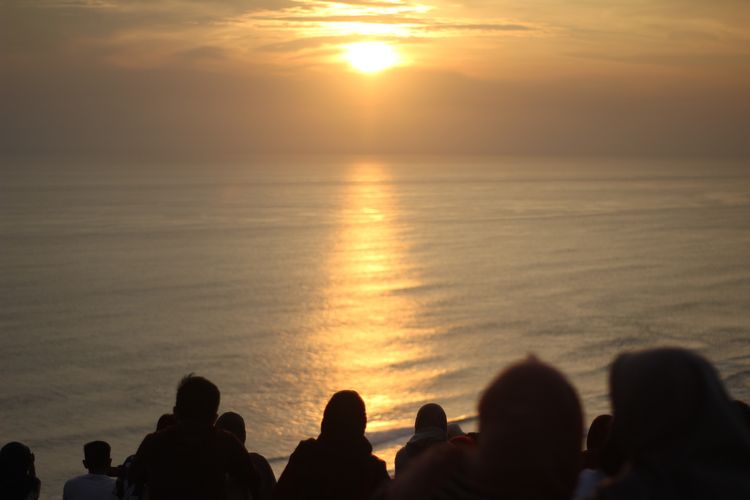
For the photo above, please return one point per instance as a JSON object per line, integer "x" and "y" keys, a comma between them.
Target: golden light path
{"x": 371, "y": 57}
{"x": 370, "y": 338}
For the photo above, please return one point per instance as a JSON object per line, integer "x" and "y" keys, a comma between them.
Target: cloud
{"x": 500, "y": 26}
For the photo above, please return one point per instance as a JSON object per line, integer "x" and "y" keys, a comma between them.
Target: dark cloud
{"x": 420, "y": 22}
{"x": 481, "y": 27}
{"x": 301, "y": 44}
{"x": 304, "y": 43}
{"x": 31, "y": 27}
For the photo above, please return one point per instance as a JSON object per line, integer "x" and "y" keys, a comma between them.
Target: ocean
{"x": 407, "y": 279}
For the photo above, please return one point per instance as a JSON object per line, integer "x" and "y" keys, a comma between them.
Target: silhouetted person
{"x": 191, "y": 459}
{"x": 430, "y": 428}
{"x": 744, "y": 411}
{"x": 124, "y": 488}
{"x": 165, "y": 421}
{"x": 678, "y": 430}
{"x": 18, "y": 479}
{"x": 457, "y": 437}
{"x": 235, "y": 424}
{"x": 455, "y": 430}
{"x": 339, "y": 464}
{"x": 592, "y": 474}
{"x": 531, "y": 427}
{"x": 97, "y": 484}
{"x": 595, "y": 440}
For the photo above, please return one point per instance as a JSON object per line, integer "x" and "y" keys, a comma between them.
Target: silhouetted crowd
{"x": 674, "y": 433}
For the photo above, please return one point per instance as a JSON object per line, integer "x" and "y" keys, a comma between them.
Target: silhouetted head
{"x": 596, "y": 440}
{"x": 668, "y": 399}
{"x": 165, "y": 421}
{"x": 598, "y": 432}
{"x": 432, "y": 416}
{"x": 97, "y": 457}
{"x": 17, "y": 478}
{"x": 16, "y": 460}
{"x": 345, "y": 417}
{"x": 197, "y": 400}
{"x": 531, "y": 428}
{"x": 234, "y": 423}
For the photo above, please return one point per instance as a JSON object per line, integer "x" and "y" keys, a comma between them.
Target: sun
{"x": 370, "y": 57}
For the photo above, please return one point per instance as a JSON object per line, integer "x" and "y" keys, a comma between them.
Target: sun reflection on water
{"x": 369, "y": 335}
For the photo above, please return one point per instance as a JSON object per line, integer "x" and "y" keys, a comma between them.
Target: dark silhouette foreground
{"x": 18, "y": 479}
{"x": 530, "y": 427}
{"x": 674, "y": 435}
{"x": 339, "y": 464}
{"x": 192, "y": 459}
{"x": 680, "y": 434}
{"x": 234, "y": 423}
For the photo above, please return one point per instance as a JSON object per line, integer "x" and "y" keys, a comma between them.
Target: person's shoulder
{"x": 378, "y": 465}
{"x": 305, "y": 449}
{"x": 76, "y": 480}
{"x": 259, "y": 460}
{"x": 307, "y": 445}
{"x": 151, "y": 437}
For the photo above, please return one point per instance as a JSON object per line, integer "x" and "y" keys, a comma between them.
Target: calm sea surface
{"x": 407, "y": 280}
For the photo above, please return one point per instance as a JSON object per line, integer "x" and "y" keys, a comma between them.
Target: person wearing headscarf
{"x": 430, "y": 428}
{"x": 339, "y": 464}
{"x": 531, "y": 427}
{"x": 18, "y": 479}
{"x": 679, "y": 435}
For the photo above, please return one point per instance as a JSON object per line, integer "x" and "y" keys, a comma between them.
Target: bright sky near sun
{"x": 549, "y": 67}
{"x": 476, "y": 36}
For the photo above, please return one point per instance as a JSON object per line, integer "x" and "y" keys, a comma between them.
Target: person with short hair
{"x": 339, "y": 464}
{"x": 18, "y": 479}
{"x": 430, "y": 428}
{"x": 97, "y": 484}
{"x": 191, "y": 459}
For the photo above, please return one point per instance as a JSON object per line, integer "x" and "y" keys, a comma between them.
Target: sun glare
{"x": 370, "y": 57}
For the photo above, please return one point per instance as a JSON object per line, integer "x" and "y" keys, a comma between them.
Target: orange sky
{"x": 224, "y": 77}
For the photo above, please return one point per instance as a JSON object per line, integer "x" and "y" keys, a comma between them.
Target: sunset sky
{"x": 170, "y": 78}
